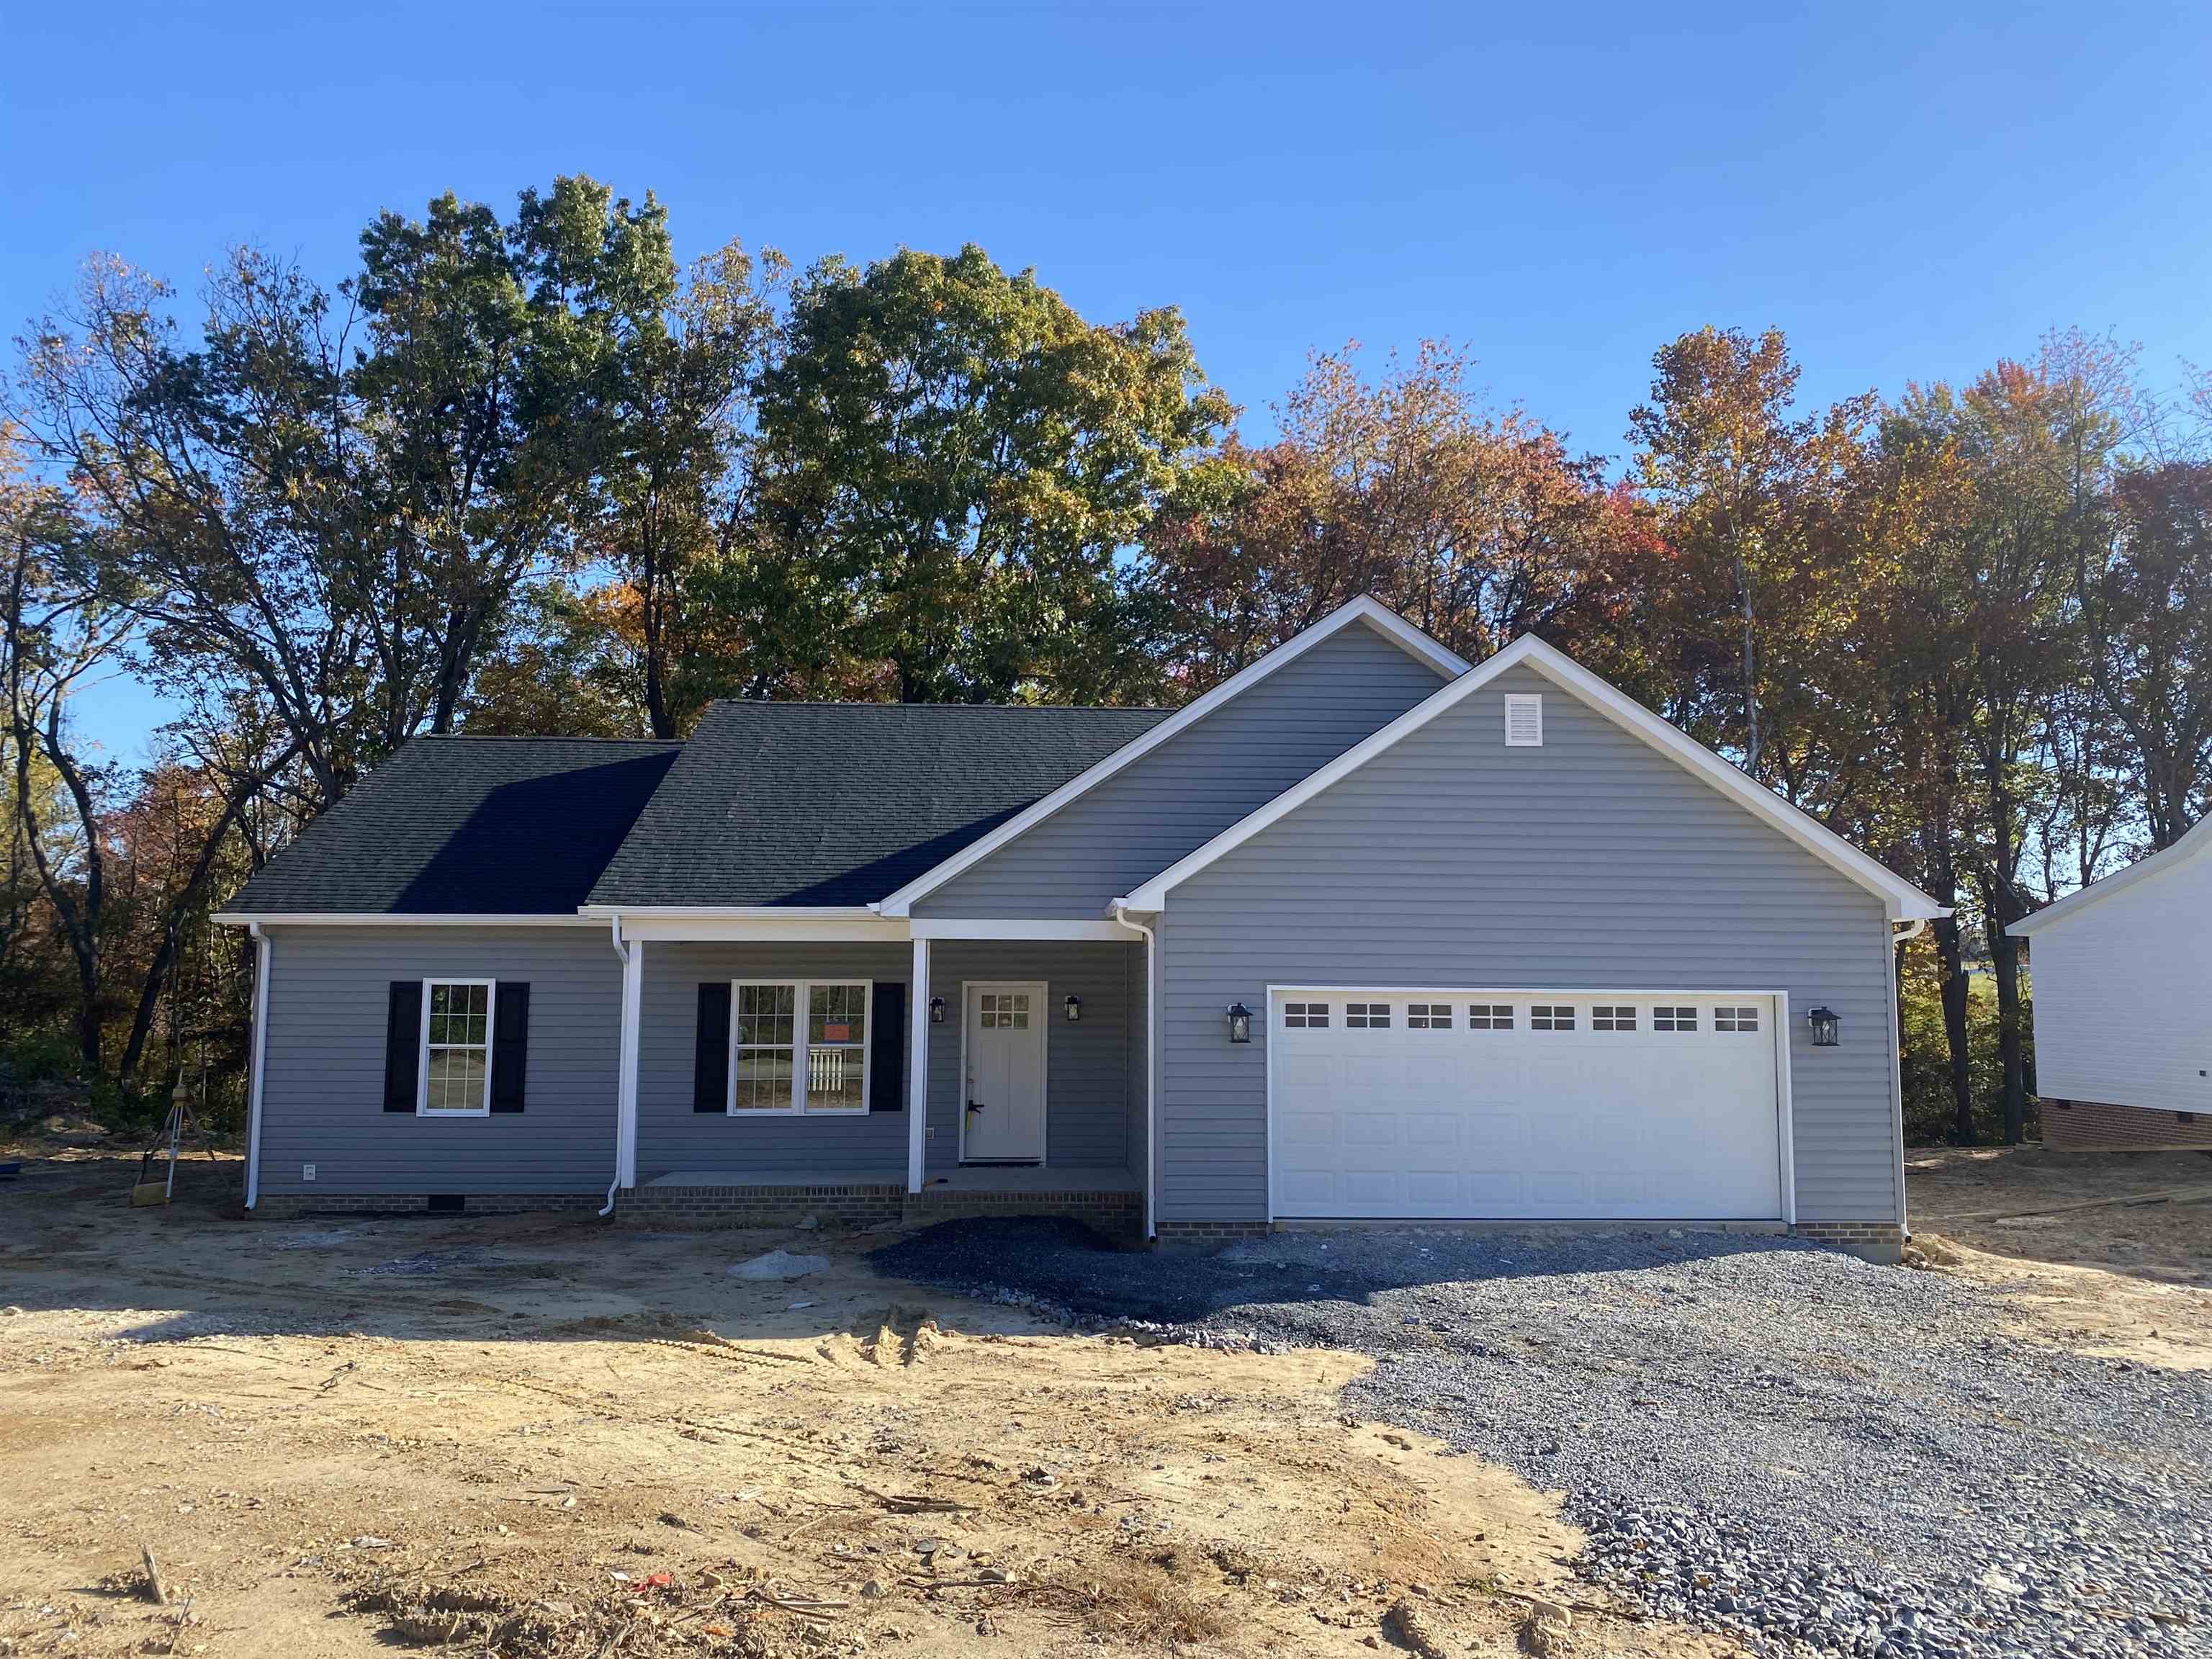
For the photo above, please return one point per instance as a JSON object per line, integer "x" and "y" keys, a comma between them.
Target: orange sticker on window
{"x": 836, "y": 1030}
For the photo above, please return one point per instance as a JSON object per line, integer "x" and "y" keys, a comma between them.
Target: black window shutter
{"x": 510, "y": 1044}
{"x": 886, "y": 1043}
{"x": 710, "y": 1063}
{"x": 402, "y": 1044}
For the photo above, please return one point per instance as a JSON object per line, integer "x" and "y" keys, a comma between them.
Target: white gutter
{"x": 622, "y": 1076}
{"x": 1121, "y": 911}
{"x": 263, "y": 945}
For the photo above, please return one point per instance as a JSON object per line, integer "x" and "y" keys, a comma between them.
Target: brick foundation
{"x": 1118, "y": 1213}
{"x": 2094, "y": 1126}
{"x": 1205, "y": 1235}
{"x": 1877, "y": 1241}
{"x": 704, "y": 1207}
{"x": 284, "y": 1206}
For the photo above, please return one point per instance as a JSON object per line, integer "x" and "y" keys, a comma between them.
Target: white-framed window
{"x": 1678, "y": 1018}
{"x": 1305, "y": 1016}
{"x": 1734, "y": 1019}
{"x": 1007, "y": 1009}
{"x": 1552, "y": 1017}
{"x": 1428, "y": 1016}
{"x": 1490, "y": 1016}
{"x": 1613, "y": 1017}
{"x": 1524, "y": 720}
{"x": 454, "y": 1079}
{"x": 1374, "y": 1015}
{"x": 798, "y": 1046}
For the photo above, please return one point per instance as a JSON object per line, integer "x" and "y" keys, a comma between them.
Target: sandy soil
{"x": 2106, "y": 1253}
{"x": 529, "y": 1437}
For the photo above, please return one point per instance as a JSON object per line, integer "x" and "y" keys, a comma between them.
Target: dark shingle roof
{"x": 841, "y": 803}
{"x": 508, "y": 826}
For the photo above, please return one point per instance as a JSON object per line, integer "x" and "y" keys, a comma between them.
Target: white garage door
{"x": 1528, "y": 1104}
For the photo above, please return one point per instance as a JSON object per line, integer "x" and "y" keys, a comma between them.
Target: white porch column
{"x": 917, "y": 1094}
{"x": 632, "y": 1005}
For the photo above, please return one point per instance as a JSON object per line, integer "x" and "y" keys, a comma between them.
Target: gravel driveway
{"x": 1759, "y": 1437}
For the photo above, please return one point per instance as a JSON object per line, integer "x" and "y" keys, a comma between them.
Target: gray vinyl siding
{"x": 1087, "y": 1064}
{"x": 670, "y": 1136}
{"x": 1591, "y": 862}
{"x": 323, "y": 1095}
{"x": 1195, "y": 785}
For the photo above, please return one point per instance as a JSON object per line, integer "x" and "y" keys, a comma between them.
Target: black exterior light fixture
{"x": 1073, "y": 1007}
{"x": 1240, "y": 1022}
{"x": 1825, "y": 1026}
{"x": 936, "y": 1010}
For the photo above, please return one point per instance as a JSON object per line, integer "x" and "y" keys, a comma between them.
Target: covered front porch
{"x": 869, "y": 1068}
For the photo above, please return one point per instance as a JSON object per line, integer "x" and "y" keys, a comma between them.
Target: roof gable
{"x": 2197, "y": 840}
{"x": 1363, "y": 612}
{"x": 1900, "y": 898}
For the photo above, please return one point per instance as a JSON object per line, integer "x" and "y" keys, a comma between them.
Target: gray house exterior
{"x": 1364, "y": 934}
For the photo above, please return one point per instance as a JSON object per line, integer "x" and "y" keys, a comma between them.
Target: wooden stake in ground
{"x": 154, "y": 1587}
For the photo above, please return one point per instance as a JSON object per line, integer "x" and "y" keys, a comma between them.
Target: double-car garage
{"x": 1470, "y": 1104}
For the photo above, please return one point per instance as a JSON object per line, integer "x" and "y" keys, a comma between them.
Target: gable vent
{"x": 1524, "y": 720}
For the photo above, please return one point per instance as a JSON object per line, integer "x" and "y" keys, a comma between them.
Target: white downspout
{"x": 263, "y": 947}
{"x": 622, "y": 1074}
{"x": 1913, "y": 929}
{"x": 1121, "y": 914}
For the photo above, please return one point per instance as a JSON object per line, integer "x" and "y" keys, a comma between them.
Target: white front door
{"x": 1002, "y": 1119}
{"x": 1565, "y": 1105}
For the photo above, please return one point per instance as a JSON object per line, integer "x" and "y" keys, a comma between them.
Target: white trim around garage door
{"x": 1777, "y": 1001}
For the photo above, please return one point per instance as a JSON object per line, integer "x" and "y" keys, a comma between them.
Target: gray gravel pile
{"x": 1759, "y": 1436}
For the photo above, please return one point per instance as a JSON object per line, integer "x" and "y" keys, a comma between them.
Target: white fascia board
{"x": 987, "y": 928}
{"x": 1900, "y": 898}
{"x": 1364, "y": 610}
{"x": 787, "y": 926}
{"x": 387, "y": 919}
{"x": 2196, "y": 841}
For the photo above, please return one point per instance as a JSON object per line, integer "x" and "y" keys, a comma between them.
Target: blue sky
{"x": 1909, "y": 192}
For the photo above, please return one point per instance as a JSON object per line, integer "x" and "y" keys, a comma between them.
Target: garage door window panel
{"x": 1428, "y": 1016}
{"x": 1552, "y": 1017}
{"x": 1613, "y": 1017}
{"x": 1490, "y": 1016}
{"x": 1677, "y": 1018}
{"x": 1735, "y": 1019}
{"x": 1367, "y": 1016}
{"x": 1305, "y": 1016}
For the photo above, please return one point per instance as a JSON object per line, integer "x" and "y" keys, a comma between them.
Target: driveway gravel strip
{"x": 1759, "y": 1436}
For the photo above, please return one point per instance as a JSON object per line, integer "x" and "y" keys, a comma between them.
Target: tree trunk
{"x": 1951, "y": 955}
{"x": 2005, "y": 956}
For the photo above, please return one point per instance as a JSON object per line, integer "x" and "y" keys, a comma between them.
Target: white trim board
{"x": 388, "y": 919}
{"x": 2198, "y": 840}
{"x": 1371, "y": 612}
{"x": 1901, "y": 900}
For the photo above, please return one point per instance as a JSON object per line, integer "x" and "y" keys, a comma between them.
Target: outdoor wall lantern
{"x": 1074, "y": 1008}
{"x": 936, "y": 1010}
{"x": 1240, "y": 1022}
{"x": 1824, "y": 1026}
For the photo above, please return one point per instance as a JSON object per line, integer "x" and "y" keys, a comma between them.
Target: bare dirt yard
{"x": 2104, "y": 1253}
{"x": 534, "y": 1436}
